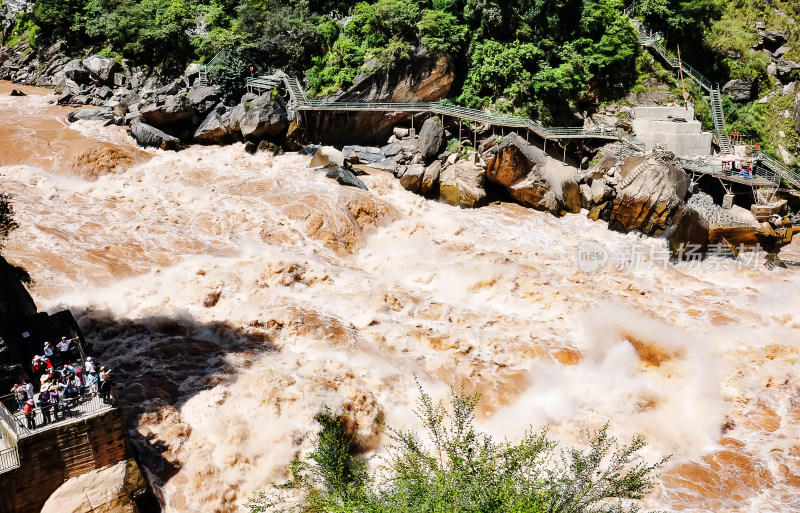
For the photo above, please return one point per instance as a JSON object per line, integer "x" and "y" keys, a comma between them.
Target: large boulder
{"x": 327, "y": 156}
{"x": 175, "y": 109}
{"x": 108, "y": 490}
{"x": 431, "y": 137}
{"x": 512, "y": 160}
{"x": 688, "y": 230}
{"x": 773, "y": 39}
{"x": 147, "y": 135}
{"x": 75, "y": 71}
{"x": 345, "y": 177}
{"x": 214, "y": 129}
{"x": 99, "y": 114}
{"x": 430, "y": 177}
{"x": 647, "y": 199}
{"x": 203, "y": 98}
{"x": 411, "y": 179}
{"x": 266, "y": 121}
{"x": 524, "y": 171}
{"x": 742, "y": 89}
{"x": 101, "y": 69}
{"x": 462, "y": 185}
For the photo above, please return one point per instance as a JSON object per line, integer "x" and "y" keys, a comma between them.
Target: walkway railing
{"x": 298, "y": 101}
{"x": 9, "y": 459}
{"x": 75, "y": 409}
{"x": 790, "y": 176}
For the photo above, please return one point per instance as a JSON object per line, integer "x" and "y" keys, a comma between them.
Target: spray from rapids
{"x": 235, "y": 295}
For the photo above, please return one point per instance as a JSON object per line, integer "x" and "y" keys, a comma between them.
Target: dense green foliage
{"x": 463, "y": 470}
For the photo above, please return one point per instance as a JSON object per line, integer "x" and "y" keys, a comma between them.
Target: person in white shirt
{"x": 89, "y": 366}
{"x": 48, "y": 350}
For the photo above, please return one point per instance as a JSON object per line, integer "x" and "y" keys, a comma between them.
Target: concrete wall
{"x": 654, "y": 125}
{"x": 50, "y": 457}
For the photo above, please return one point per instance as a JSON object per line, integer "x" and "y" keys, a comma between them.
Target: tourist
{"x": 106, "y": 384}
{"x": 30, "y": 414}
{"x": 91, "y": 382}
{"x": 54, "y": 402}
{"x": 45, "y": 407}
{"x": 68, "y": 370}
{"x": 48, "y": 350}
{"x": 89, "y": 365}
{"x": 29, "y": 388}
{"x": 20, "y": 395}
{"x": 63, "y": 346}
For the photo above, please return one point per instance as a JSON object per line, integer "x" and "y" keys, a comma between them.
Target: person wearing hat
{"x": 29, "y": 388}
{"x": 89, "y": 365}
{"x": 63, "y": 346}
{"x": 44, "y": 406}
{"x": 30, "y": 414}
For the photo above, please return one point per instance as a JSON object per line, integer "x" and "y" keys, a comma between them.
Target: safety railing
{"x": 64, "y": 412}
{"x": 9, "y": 459}
{"x": 789, "y": 175}
{"x": 8, "y": 419}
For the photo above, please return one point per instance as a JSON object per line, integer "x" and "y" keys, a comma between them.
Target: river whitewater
{"x": 235, "y": 295}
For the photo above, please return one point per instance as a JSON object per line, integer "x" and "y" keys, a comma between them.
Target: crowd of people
{"x": 63, "y": 381}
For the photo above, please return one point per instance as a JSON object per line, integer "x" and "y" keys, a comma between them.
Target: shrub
{"x": 463, "y": 470}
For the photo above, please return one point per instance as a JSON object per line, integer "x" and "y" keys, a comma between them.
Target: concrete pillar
{"x": 727, "y": 201}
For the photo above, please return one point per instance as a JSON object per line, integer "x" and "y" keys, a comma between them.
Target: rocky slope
{"x": 15, "y": 303}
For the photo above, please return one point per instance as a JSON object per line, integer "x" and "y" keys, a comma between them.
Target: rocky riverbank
{"x": 633, "y": 192}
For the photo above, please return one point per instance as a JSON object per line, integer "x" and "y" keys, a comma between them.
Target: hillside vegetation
{"x": 547, "y": 59}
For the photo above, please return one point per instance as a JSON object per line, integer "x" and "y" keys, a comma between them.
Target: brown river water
{"x": 235, "y": 295}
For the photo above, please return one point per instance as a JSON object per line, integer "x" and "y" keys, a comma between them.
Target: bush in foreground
{"x": 463, "y": 470}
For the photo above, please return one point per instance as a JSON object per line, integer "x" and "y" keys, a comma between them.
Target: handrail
{"x": 8, "y": 418}
{"x": 9, "y": 459}
{"x": 87, "y": 404}
{"x": 791, "y": 176}
{"x": 299, "y": 101}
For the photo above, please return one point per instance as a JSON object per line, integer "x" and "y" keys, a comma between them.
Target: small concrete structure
{"x": 674, "y": 127}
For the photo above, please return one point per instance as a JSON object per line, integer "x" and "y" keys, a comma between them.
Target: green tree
{"x": 463, "y": 470}
{"x": 441, "y": 33}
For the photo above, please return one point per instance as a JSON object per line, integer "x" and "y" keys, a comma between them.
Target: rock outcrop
{"x": 108, "y": 490}
{"x": 521, "y": 169}
{"x": 797, "y": 112}
{"x": 742, "y": 89}
{"x": 15, "y": 304}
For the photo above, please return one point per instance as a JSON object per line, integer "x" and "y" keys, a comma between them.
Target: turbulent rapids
{"x": 234, "y": 295}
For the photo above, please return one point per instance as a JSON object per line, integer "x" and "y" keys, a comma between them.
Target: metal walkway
{"x": 298, "y": 101}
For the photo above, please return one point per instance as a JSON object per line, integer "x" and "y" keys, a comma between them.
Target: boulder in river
{"x": 147, "y": 135}
{"x": 175, "y": 109}
{"x": 99, "y": 114}
{"x": 214, "y": 129}
{"x": 267, "y": 121}
{"x": 327, "y": 156}
{"x": 345, "y": 177}
{"x": 462, "y": 185}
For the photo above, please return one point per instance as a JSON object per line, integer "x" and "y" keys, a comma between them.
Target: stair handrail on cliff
{"x": 790, "y": 176}
{"x": 202, "y": 78}
{"x": 9, "y": 457}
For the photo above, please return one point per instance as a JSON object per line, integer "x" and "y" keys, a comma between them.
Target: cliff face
{"x": 15, "y": 304}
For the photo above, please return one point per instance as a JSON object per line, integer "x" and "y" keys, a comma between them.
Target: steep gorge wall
{"x": 15, "y": 304}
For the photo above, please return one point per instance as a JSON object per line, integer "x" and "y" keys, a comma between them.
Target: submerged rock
{"x": 345, "y": 177}
{"x": 100, "y": 114}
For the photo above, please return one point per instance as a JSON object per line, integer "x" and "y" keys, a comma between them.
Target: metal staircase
{"x": 203, "y": 79}
{"x": 718, "y": 115}
{"x": 762, "y": 160}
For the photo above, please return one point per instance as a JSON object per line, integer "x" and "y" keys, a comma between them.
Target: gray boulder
{"x": 773, "y": 39}
{"x": 150, "y": 136}
{"x": 75, "y": 71}
{"x": 101, "y": 69}
{"x": 430, "y": 177}
{"x": 742, "y": 89}
{"x": 175, "y": 109}
{"x": 390, "y": 150}
{"x": 213, "y": 129}
{"x": 431, "y": 137}
{"x": 345, "y": 177}
{"x": 203, "y": 98}
{"x": 267, "y": 121}
{"x": 411, "y": 179}
{"x": 100, "y": 114}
